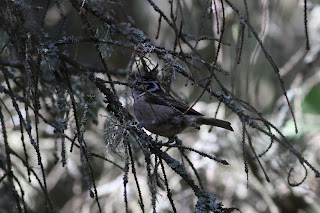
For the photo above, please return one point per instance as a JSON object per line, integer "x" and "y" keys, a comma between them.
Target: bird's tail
{"x": 214, "y": 122}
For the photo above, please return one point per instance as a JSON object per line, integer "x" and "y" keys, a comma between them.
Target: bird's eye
{"x": 153, "y": 86}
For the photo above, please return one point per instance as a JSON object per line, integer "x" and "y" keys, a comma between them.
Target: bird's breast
{"x": 158, "y": 119}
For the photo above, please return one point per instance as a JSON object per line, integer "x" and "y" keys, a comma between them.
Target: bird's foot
{"x": 170, "y": 141}
{"x": 141, "y": 125}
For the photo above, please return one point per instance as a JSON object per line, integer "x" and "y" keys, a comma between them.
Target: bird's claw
{"x": 140, "y": 125}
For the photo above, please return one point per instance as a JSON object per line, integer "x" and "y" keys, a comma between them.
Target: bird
{"x": 161, "y": 114}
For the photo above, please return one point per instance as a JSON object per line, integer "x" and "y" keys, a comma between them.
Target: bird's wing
{"x": 167, "y": 100}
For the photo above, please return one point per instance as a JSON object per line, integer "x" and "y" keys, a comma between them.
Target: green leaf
{"x": 311, "y": 103}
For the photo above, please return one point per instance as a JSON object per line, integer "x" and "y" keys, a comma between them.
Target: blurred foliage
{"x": 311, "y": 101}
